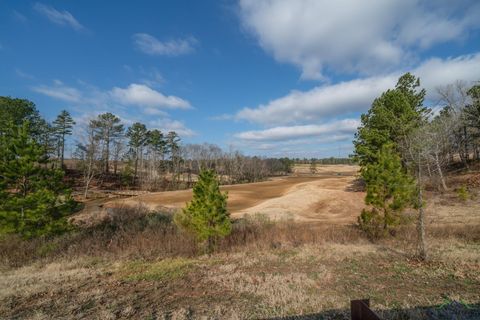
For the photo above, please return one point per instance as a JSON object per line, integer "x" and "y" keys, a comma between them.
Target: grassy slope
{"x": 277, "y": 271}
{"x": 245, "y": 284}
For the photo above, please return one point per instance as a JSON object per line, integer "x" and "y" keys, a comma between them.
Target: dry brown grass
{"x": 317, "y": 279}
{"x": 135, "y": 233}
{"x": 138, "y": 265}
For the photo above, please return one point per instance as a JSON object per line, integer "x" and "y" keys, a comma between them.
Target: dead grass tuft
{"x": 163, "y": 270}
{"x": 136, "y": 234}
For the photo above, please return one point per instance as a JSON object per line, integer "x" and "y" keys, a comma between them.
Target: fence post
{"x": 360, "y": 310}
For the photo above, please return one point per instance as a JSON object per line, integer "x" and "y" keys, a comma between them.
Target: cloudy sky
{"x": 269, "y": 77}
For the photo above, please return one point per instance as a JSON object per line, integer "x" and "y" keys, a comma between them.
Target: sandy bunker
{"x": 329, "y": 196}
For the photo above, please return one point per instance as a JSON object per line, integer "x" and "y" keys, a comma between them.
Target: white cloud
{"x": 152, "y": 77}
{"x": 24, "y": 75}
{"x": 144, "y": 96}
{"x": 353, "y": 36}
{"x": 63, "y": 18}
{"x": 89, "y": 101}
{"x": 437, "y": 72}
{"x": 166, "y": 124}
{"x": 322, "y": 146}
{"x": 19, "y": 17}
{"x": 60, "y": 91}
{"x": 338, "y": 127}
{"x": 322, "y": 101}
{"x": 151, "y": 45}
{"x": 357, "y": 95}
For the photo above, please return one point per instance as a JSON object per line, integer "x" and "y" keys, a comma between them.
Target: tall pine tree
{"x": 390, "y": 119}
{"x": 138, "y": 138}
{"x": 62, "y": 127}
{"x": 108, "y": 127}
{"x": 33, "y": 199}
{"x": 389, "y": 191}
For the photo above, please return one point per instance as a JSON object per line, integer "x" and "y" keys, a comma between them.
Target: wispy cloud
{"x": 136, "y": 102}
{"x": 151, "y": 45}
{"x": 19, "y": 17}
{"x": 60, "y": 91}
{"x": 351, "y": 36}
{"x": 23, "y": 74}
{"x": 144, "y": 96}
{"x": 356, "y": 95}
{"x": 166, "y": 124}
{"x": 326, "y": 113}
{"x": 341, "y": 128}
{"x": 63, "y": 18}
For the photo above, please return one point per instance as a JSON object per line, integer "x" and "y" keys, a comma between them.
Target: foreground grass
{"x": 141, "y": 267}
{"x": 286, "y": 281}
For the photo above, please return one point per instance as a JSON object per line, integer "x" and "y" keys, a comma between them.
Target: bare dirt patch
{"x": 327, "y": 196}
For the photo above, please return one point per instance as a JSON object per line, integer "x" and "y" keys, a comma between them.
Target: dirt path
{"x": 327, "y": 196}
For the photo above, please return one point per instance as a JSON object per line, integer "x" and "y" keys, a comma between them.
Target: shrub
{"x": 463, "y": 193}
{"x": 33, "y": 198}
{"x": 389, "y": 189}
{"x": 206, "y": 216}
{"x": 371, "y": 222}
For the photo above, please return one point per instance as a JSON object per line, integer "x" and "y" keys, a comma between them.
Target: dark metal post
{"x": 360, "y": 310}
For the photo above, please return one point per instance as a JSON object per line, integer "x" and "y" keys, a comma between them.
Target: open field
{"x": 329, "y": 196}
{"x": 301, "y": 258}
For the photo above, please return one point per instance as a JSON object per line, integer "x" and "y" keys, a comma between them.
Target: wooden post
{"x": 360, "y": 310}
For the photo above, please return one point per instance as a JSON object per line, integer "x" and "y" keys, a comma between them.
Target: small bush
{"x": 206, "y": 217}
{"x": 46, "y": 249}
{"x": 463, "y": 194}
{"x": 371, "y": 222}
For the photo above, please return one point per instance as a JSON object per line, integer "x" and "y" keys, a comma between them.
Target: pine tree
{"x": 108, "y": 127}
{"x": 391, "y": 118}
{"x": 313, "y": 166}
{"x": 389, "y": 191}
{"x": 157, "y": 142}
{"x": 173, "y": 147}
{"x": 16, "y": 111}
{"x": 62, "y": 127}
{"x": 206, "y": 216}
{"x": 158, "y": 146}
{"x": 472, "y": 111}
{"x": 33, "y": 199}
{"x": 138, "y": 135}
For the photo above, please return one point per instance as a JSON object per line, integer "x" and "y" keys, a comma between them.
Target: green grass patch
{"x": 164, "y": 270}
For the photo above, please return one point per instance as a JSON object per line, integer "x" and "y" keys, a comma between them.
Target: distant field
{"x": 328, "y": 196}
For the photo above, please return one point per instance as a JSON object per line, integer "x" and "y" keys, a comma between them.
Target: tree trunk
{"x": 63, "y": 151}
{"x": 440, "y": 172}
{"x": 465, "y": 145}
{"x": 107, "y": 155}
{"x": 135, "y": 170}
{"x": 422, "y": 247}
{"x": 429, "y": 170}
{"x": 85, "y": 193}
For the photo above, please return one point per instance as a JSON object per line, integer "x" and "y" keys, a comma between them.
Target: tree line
{"x": 36, "y": 179}
{"x": 401, "y": 143}
{"x": 322, "y": 161}
{"x": 152, "y": 160}
{"x": 34, "y": 200}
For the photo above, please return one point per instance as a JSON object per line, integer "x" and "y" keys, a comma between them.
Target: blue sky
{"x": 268, "y": 77}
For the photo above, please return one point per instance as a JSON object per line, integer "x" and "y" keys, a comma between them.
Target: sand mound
{"x": 327, "y": 196}
{"x": 329, "y": 200}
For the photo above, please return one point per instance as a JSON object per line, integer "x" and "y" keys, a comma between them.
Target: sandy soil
{"x": 328, "y": 196}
